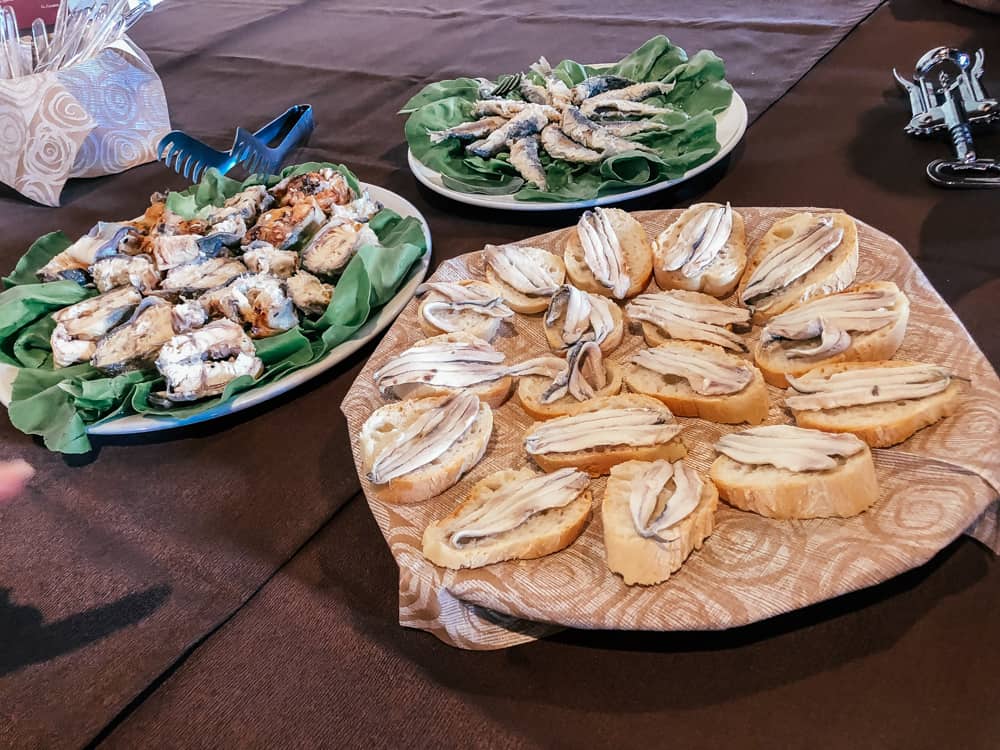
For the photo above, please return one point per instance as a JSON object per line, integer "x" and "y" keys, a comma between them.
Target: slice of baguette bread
{"x": 542, "y": 534}
{"x": 518, "y": 301}
{"x": 722, "y": 274}
{"x": 885, "y": 424}
{"x": 834, "y": 273}
{"x": 868, "y": 346}
{"x": 636, "y": 249}
{"x": 650, "y": 561}
{"x": 531, "y": 387}
{"x": 433, "y": 478}
{"x": 655, "y": 336}
{"x": 769, "y": 491}
{"x": 750, "y": 404}
{"x": 598, "y": 461}
{"x": 484, "y": 327}
{"x": 609, "y": 344}
{"x": 492, "y": 392}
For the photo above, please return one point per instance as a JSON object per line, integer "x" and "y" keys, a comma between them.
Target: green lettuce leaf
{"x": 465, "y": 88}
{"x": 42, "y": 250}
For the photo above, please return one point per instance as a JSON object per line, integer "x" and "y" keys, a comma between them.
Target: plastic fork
{"x": 190, "y": 157}
{"x": 256, "y": 150}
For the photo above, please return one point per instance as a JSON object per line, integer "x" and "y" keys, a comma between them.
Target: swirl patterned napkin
{"x": 942, "y": 482}
{"x": 101, "y": 116}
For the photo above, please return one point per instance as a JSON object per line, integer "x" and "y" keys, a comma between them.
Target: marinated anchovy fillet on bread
{"x": 863, "y": 324}
{"x": 526, "y": 276}
{"x": 584, "y": 375}
{"x": 609, "y": 253}
{"x": 457, "y": 361}
{"x": 699, "y": 380}
{"x": 574, "y": 316}
{"x": 780, "y": 471}
{"x": 703, "y": 251}
{"x": 604, "y": 432}
{"x": 800, "y": 257}
{"x": 471, "y": 306}
{"x": 883, "y": 403}
{"x": 689, "y": 316}
{"x": 415, "y": 450}
{"x": 511, "y": 514}
{"x": 655, "y": 514}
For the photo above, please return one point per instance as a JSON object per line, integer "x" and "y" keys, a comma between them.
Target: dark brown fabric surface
{"x": 317, "y": 659}
{"x": 113, "y": 565}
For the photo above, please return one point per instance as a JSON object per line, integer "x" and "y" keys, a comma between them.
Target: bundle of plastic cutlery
{"x": 81, "y": 30}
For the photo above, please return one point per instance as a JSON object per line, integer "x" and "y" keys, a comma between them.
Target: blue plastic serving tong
{"x": 263, "y": 151}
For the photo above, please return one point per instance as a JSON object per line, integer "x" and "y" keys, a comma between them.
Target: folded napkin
{"x": 101, "y": 116}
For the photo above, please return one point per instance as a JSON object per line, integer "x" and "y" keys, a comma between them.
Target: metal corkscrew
{"x": 947, "y": 95}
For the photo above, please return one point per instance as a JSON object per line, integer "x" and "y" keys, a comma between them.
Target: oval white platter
{"x": 133, "y": 424}
{"x": 731, "y": 124}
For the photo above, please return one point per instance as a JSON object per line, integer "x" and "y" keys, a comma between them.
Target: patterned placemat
{"x": 938, "y": 484}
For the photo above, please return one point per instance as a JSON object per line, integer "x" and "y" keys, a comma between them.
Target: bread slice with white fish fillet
{"x": 574, "y": 315}
{"x": 703, "y": 251}
{"x": 786, "y": 472}
{"x": 415, "y": 450}
{"x": 527, "y": 277}
{"x": 801, "y": 256}
{"x": 443, "y": 364}
{"x": 865, "y": 323}
{"x": 605, "y": 432}
{"x": 459, "y": 362}
{"x": 699, "y": 380}
{"x": 513, "y": 514}
{"x": 883, "y": 403}
{"x": 688, "y": 316}
{"x": 585, "y": 375}
{"x": 608, "y": 253}
{"x": 469, "y": 305}
{"x": 655, "y": 514}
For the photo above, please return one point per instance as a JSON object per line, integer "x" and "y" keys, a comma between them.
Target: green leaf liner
{"x": 700, "y": 92}
{"x": 60, "y": 403}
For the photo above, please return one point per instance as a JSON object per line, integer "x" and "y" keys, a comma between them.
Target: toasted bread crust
{"x": 480, "y": 326}
{"x": 541, "y": 535}
{"x": 531, "y": 387}
{"x": 768, "y": 491}
{"x": 598, "y": 461}
{"x": 833, "y": 274}
{"x": 522, "y": 303}
{"x": 494, "y": 393}
{"x": 431, "y": 479}
{"x": 750, "y": 404}
{"x": 655, "y": 336}
{"x": 865, "y": 347}
{"x": 648, "y": 561}
{"x": 607, "y": 346}
{"x": 720, "y": 277}
{"x": 636, "y": 248}
{"x": 881, "y": 425}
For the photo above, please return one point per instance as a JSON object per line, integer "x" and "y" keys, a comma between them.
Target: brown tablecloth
{"x": 123, "y": 575}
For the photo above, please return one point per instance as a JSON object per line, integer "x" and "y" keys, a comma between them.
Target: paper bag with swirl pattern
{"x": 101, "y": 116}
